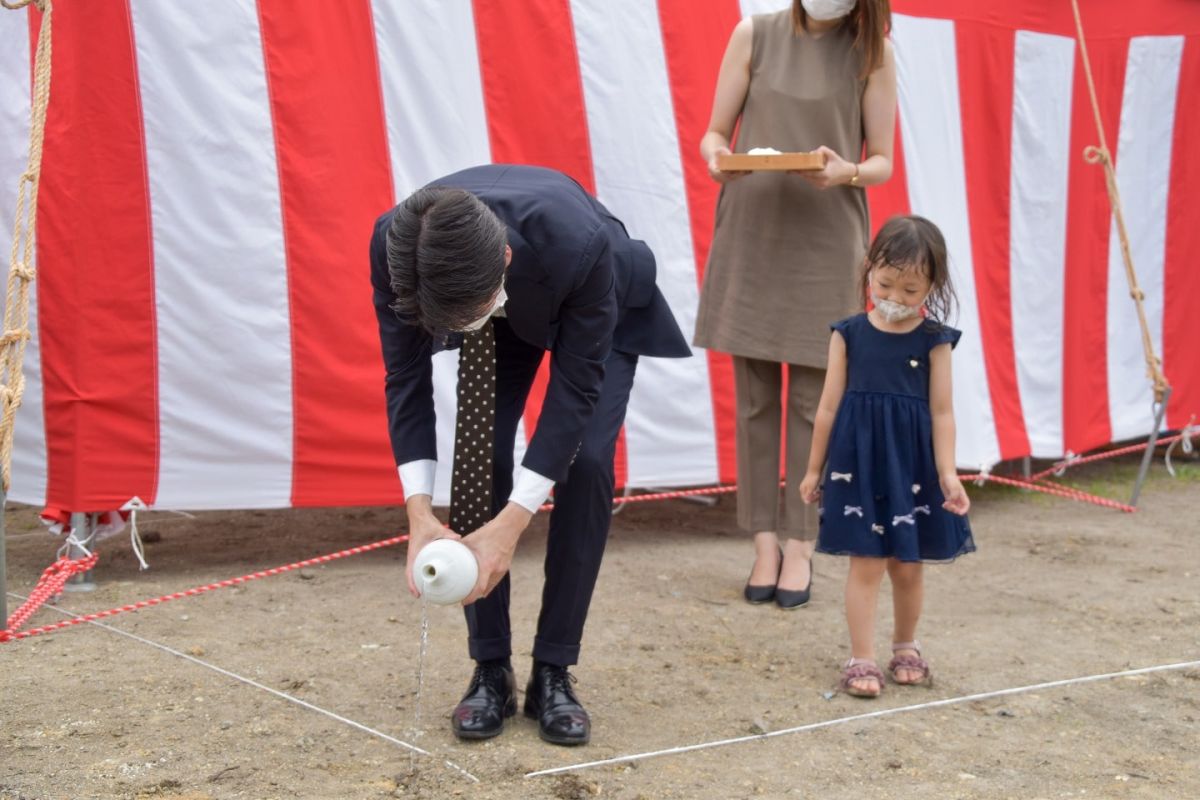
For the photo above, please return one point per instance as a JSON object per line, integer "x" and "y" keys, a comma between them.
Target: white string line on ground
{"x": 870, "y": 715}
{"x": 268, "y": 689}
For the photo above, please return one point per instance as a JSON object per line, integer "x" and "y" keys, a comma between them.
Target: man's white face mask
{"x": 826, "y": 10}
{"x": 893, "y": 311}
{"x": 501, "y": 299}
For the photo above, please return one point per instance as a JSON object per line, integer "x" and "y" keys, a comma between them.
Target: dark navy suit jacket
{"x": 577, "y": 286}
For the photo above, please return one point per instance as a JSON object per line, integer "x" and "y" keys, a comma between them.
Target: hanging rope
{"x": 1103, "y": 156}
{"x": 20, "y": 265}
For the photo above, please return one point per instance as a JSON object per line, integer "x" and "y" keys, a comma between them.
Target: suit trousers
{"x": 581, "y": 516}
{"x": 759, "y": 386}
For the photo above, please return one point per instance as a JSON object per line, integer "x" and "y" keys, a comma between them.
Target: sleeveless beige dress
{"x": 785, "y": 255}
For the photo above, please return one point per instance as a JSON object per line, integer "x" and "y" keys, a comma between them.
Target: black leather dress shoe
{"x": 756, "y": 595}
{"x": 491, "y": 697}
{"x": 793, "y": 598}
{"x": 550, "y": 700}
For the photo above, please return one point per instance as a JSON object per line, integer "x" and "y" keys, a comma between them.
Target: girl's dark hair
{"x": 913, "y": 242}
{"x": 445, "y": 256}
{"x": 869, "y": 24}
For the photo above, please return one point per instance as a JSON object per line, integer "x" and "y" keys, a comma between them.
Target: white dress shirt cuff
{"x": 417, "y": 477}
{"x": 530, "y": 490}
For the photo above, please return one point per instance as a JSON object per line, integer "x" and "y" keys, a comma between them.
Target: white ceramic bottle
{"x": 445, "y": 571}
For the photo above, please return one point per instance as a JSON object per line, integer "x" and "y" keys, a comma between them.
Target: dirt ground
{"x": 672, "y": 657}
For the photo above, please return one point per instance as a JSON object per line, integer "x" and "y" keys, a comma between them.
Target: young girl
{"x": 891, "y": 498}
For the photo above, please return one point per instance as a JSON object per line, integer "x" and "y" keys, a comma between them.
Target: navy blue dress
{"x": 881, "y": 495}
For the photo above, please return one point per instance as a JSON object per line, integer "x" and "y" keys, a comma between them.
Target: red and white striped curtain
{"x": 203, "y": 332}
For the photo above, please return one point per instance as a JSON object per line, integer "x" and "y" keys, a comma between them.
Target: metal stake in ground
{"x": 1160, "y": 409}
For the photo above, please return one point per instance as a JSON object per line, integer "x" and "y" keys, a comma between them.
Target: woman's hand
{"x": 719, "y": 175}
{"x": 957, "y": 501}
{"x": 837, "y": 170}
{"x": 810, "y": 487}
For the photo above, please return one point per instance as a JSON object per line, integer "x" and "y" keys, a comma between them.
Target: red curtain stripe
{"x": 533, "y": 97}
{"x": 96, "y": 312}
{"x": 334, "y": 180}
{"x": 694, "y": 44}
{"x": 1181, "y": 280}
{"x": 886, "y": 200}
{"x": 985, "y": 84}
{"x": 1086, "y": 423}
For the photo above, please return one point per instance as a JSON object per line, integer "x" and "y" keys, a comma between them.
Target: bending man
{"x": 527, "y": 256}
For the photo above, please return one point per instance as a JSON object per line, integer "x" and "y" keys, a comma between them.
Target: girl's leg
{"x": 758, "y": 384}
{"x": 799, "y": 518}
{"x": 862, "y": 595}
{"x": 908, "y": 596}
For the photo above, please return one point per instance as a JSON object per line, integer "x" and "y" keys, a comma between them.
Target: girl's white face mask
{"x": 501, "y": 299}
{"x": 893, "y": 311}
{"x": 826, "y": 10}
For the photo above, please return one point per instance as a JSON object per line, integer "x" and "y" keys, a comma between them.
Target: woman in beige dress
{"x": 818, "y": 76}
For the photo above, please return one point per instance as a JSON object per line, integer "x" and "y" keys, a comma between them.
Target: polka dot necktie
{"x": 471, "y": 479}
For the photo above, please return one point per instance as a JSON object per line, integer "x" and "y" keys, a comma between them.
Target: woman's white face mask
{"x": 826, "y": 10}
{"x": 501, "y": 299}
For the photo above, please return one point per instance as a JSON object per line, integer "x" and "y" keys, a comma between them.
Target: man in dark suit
{"x": 530, "y": 251}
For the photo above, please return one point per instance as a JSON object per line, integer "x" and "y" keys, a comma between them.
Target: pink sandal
{"x": 910, "y": 662}
{"x": 856, "y": 669}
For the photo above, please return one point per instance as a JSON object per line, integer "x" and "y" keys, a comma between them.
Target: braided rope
{"x": 1103, "y": 156}
{"x": 1035, "y": 483}
{"x": 50, "y": 585}
{"x": 1120, "y": 451}
{"x": 11, "y": 633}
{"x": 672, "y": 495}
{"x": 15, "y": 331}
{"x": 1046, "y": 488}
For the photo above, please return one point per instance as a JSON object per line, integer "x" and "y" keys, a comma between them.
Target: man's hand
{"x": 493, "y": 546}
{"x": 423, "y": 528}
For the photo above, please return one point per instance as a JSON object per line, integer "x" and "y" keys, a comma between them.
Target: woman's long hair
{"x": 869, "y": 24}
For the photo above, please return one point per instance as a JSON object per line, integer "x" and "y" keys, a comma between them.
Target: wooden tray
{"x": 736, "y": 162}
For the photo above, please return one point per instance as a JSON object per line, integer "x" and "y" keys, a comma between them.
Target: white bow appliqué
{"x": 852, "y": 510}
{"x": 841, "y": 476}
{"x": 907, "y": 519}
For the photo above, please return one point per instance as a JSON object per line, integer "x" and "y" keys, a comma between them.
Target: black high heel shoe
{"x": 757, "y": 595}
{"x": 792, "y": 598}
